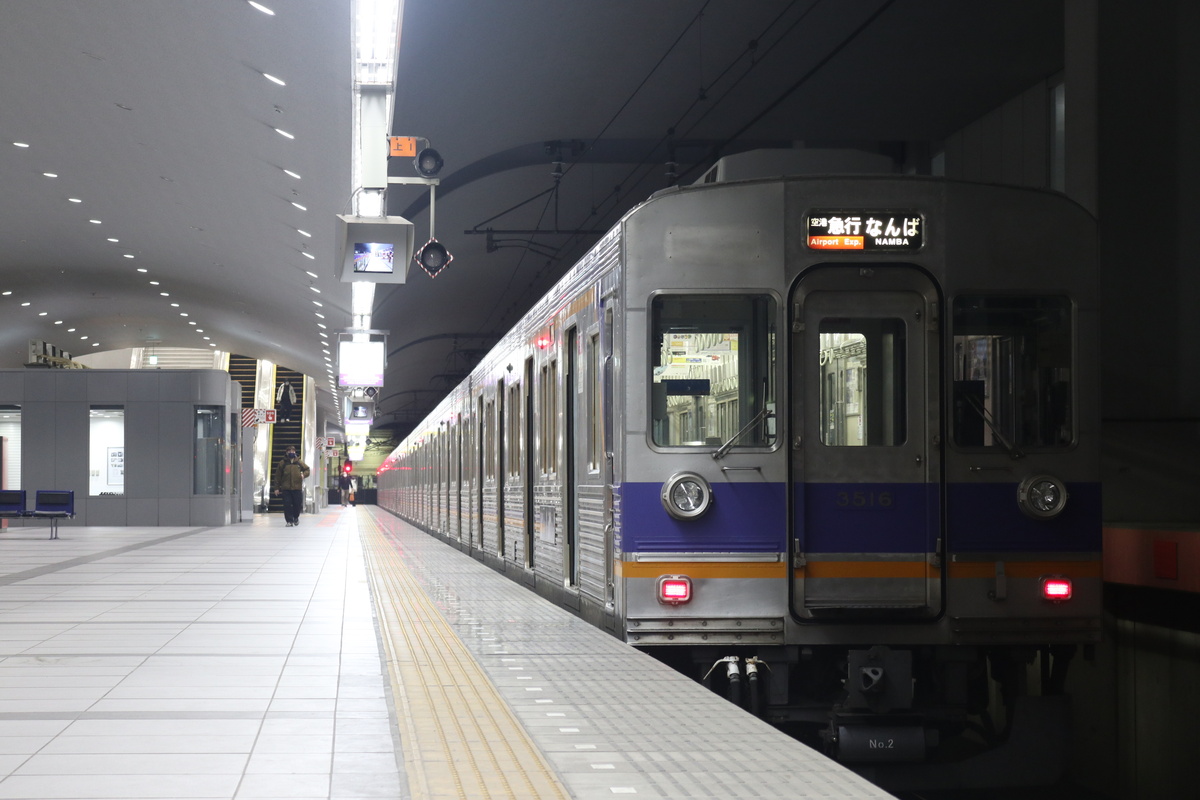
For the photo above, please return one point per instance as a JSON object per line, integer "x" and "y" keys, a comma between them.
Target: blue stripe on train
{"x": 860, "y": 518}
{"x": 983, "y": 517}
{"x": 868, "y": 517}
{"x": 744, "y": 518}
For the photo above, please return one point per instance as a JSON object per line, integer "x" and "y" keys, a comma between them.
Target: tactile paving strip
{"x": 459, "y": 738}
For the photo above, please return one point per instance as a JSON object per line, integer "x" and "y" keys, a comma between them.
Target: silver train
{"x": 829, "y": 444}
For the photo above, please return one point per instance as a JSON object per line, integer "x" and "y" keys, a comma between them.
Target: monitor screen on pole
{"x": 360, "y": 363}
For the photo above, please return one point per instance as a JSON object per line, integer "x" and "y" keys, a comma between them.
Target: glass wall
{"x": 208, "y": 475}
{"x": 10, "y": 432}
{"x": 106, "y": 450}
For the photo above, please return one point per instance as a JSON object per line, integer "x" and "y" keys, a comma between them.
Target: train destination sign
{"x": 865, "y": 229}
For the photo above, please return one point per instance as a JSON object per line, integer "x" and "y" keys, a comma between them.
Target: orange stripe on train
{"x": 854, "y": 569}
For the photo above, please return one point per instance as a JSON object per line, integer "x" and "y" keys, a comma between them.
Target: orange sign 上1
{"x": 402, "y": 146}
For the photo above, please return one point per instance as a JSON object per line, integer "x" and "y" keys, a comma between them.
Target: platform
{"x": 349, "y": 657}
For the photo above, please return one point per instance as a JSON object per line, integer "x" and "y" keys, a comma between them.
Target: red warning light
{"x": 1057, "y": 589}
{"x": 674, "y": 589}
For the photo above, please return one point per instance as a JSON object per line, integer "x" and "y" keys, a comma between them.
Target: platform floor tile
{"x": 609, "y": 719}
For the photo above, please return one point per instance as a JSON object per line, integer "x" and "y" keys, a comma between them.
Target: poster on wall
{"x": 116, "y": 466}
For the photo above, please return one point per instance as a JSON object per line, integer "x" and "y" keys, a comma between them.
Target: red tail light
{"x": 674, "y": 589}
{"x": 1057, "y": 589}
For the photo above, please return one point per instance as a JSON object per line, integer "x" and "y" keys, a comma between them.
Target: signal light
{"x": 1056, "y": 589}
{"x": 433, "y": 257}
{"x": 674, "y": 589}
{"x": 348, "y": 467}
{"x": 428, "y": 162}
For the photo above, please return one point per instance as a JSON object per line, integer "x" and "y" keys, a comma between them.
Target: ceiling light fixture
{"x": 309, "y": 255}
{"x": 20, "y": 144}
{"x": 303, "y": 233}
{"x": 113, "y": 240}
{"x": 95, "y": 221}
{"x": 297, "y": 205}
{"x": 129, "y": 255}
{"x": 50, "y": 174}
{"x": 261, "y": 8}
{"x": 315, "y": 289}
{"x": 142, "y": 269}
{"x": 74, "y": 200}
{"x": 284, "y": 133}
{"x": 312, "y": 274}
{"x": 273, "y": 79}
{"x": 289, "y": 172}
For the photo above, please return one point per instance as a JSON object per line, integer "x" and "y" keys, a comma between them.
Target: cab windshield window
{"x": 712, "y": 365}
{"x": 1012, "y": 372}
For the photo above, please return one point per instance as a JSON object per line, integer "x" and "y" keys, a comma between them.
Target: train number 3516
{"x": 864, "y": 499}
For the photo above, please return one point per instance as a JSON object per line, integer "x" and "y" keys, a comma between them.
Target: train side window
{"x": 595, "y": 418}
{"x": 489, "y": 440}
{"x": 863, "y": 394}
{"x": 548, "y": 413}
{"x": 1012, "y": 372}
{"x": 713, "y": 366}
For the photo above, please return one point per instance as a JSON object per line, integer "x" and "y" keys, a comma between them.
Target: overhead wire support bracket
{"x": 535, "y": 232}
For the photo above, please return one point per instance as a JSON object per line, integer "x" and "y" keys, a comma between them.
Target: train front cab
{"x": 938, "y": 427}
{"x": 944, "y": 516}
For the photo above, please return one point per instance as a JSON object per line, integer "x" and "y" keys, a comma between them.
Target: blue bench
{"x": 51, "y": 504}
{"x": 12, "y": 503}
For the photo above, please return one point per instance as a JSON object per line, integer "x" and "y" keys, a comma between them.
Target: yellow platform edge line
{"x": 461, "y": 707}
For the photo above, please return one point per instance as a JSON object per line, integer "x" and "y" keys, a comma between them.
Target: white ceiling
{"x": 155, "y": 114}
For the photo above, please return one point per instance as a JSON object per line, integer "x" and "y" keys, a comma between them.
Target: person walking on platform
{"x": 289, "y": 482}
{"x": 345, "y": 483}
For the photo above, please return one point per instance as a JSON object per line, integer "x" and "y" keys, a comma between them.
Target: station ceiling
{"x": 148, "y": 167}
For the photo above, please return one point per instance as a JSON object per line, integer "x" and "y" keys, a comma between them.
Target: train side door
{"x": 866, "y": 466}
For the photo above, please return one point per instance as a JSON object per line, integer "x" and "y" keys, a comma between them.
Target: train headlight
{"x": 686, "y": 495}
{"x": 1042, "y": 496}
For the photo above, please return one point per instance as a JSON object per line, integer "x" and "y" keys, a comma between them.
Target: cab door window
{"x": 712, "y": 366}
{"x": 1012, "y": 372}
